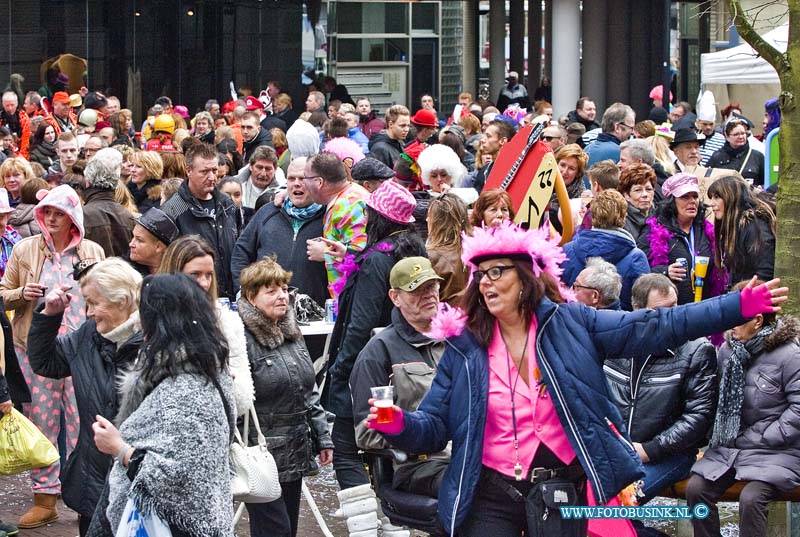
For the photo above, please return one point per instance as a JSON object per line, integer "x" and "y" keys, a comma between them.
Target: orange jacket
{"x": 25, "y": 136}
{"x": 52, "y": 121}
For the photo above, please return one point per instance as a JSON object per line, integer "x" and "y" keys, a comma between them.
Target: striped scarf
{"x": 727, "y": 422}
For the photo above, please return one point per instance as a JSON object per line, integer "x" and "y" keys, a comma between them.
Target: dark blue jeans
{"x": 347, "y": 462}
{"x": 278, "y": 518}
{"x": 661, "y": 474}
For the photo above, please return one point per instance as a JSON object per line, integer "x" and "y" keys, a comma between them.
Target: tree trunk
{"x": 787, "y": 252}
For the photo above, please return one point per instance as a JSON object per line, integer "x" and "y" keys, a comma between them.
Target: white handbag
{"x": 255, "y": 474}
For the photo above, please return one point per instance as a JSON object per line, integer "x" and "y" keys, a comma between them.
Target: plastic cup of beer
{"x": 383, "y": 399}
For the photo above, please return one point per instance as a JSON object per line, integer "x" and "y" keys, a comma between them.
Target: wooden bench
{"x": 781, "y": 515}
{"x": 678, "y": 491}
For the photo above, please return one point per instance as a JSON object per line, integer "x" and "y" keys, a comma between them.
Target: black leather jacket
{"x": 287, "y": 400}
{"x": 669, "y": 403}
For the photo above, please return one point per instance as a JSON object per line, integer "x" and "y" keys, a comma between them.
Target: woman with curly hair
{"x": 744, "y": 231}
{"x": 637, "y": 183}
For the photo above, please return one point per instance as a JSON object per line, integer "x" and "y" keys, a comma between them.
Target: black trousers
{"x": 278, "y": 518}
{"x": 348, "y": 464}
{"x": 753, "y": 503}
{"x": 495, "y": 513}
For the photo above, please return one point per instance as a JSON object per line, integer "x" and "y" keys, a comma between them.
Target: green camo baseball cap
{"x": 411, "y": 272}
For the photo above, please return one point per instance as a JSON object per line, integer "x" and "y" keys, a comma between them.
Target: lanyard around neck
{"x": 513, "y": 389}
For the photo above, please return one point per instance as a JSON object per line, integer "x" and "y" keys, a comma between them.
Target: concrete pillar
{"x": 497, "y": 54}
{"x": 534, "y": 45}
{"x": 516, "y": 31}
{"x": 595, "y": 58}
{"x": 469, "y": 69}
{"x": 566, "y": 74}
{"x": 548, "y": 39}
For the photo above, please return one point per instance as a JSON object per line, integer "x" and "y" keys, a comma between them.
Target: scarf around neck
{"x": 301, "y": 213}
{"x": 727, "y": 422}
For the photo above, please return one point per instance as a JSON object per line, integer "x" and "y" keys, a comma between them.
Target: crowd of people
{"x": 158, "y": 275}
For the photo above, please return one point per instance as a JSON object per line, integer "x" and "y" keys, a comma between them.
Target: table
{"x": 319, "y": 328}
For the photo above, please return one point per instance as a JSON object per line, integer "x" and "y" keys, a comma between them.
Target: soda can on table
{"x": 330, "y": 311}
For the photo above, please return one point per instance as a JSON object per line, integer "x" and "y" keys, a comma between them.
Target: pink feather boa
{"x": 348, "y": 266}
{"x": 659, "y": 253}
{"x": 448, "y": 322}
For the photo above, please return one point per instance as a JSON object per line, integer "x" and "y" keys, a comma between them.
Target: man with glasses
{"x": 598, "y": 285}
{"x": 345, "y": 220}
{"x": 617, "y": 125}
{"x": 281, "y": 231}
{"x": 555, "y": 136}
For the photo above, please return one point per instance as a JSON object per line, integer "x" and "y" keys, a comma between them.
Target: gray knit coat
{"x": 184, "y": 477}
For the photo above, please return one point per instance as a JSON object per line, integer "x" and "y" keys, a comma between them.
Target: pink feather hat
{"x": 510, "y": 240}
{"x": 506, "y": 240}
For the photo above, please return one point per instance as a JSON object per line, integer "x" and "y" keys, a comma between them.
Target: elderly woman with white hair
{"x": 93, "y": 355}
{"x": 105, "y": 221}
{"x": 441, "y": 170}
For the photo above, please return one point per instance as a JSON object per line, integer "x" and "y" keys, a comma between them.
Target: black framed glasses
{"x": 631, "y": 127}
{"x": 579, "y": 286}
{"x": 311, "y": 177}
{"x": 494, "y": 273}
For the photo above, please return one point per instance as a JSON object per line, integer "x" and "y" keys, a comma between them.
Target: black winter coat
{"x": 679, "y": 247}
{"x": 635, "y": 222}
{"x": 106, "y": 222}
{"x": 147, "y": 196}
{"x": 364, "y": 305}
{"x": 12, "y": 382}
{"x": 749, "y": 261}
{"x": 271, "y": 232}
{"x": 220, "y": 230}
{"x": 93, "y": 362}
{"x": 734, "y": 159}
{"x": 44, "y": 154}
{"x": 768, "y": 446}
{"x": 668, "y": 402}
{"x": 287, "y": 400}
{"x": 385, "y": 149}
{"x": 264, "y": 137}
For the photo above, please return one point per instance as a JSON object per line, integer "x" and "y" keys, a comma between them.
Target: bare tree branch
{"x": 775, "y": 58}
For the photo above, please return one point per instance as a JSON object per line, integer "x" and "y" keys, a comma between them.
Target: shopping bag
{"x": 22, "y": 445}
{"x": 134, "y": 523}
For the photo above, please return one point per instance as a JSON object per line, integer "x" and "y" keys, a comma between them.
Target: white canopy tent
{"x": 740, "y": 75}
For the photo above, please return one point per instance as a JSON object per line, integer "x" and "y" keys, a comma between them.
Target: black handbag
{"x": 542, "y": 508}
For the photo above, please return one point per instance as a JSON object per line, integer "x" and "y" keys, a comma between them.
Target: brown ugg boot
{"x": 43, "y": 511}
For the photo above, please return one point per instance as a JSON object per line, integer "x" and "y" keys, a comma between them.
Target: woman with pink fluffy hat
{"x": 520, "y": 390}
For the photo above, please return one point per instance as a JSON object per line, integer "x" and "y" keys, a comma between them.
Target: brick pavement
{"x": 16, "y": 499}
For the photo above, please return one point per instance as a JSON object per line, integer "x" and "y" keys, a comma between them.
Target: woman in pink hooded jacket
{"x": 39, "y": 263}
